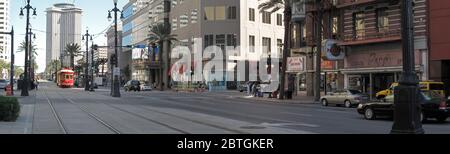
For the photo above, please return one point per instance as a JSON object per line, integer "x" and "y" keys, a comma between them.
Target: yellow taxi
{"x": 424, "y": 86}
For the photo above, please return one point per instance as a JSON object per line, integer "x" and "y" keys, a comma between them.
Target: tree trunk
{"x": 318, "y": 69}
{"x": 166, "y": 65}
{"x": 287, "y": 32}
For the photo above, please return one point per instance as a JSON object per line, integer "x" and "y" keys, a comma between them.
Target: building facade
{"x": 371, "y": 38}
{"x": 124, "y": 57}
{"x": 439, "y": 21}
{"x": 231, "y": 23}
{"x": 5, "y": 49}
{"x": 63, "y": 27}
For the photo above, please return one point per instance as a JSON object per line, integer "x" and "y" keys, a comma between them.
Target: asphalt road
{"x": 75, "y": 111}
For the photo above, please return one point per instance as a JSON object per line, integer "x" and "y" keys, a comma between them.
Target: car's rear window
{"x": 436, "y": 87}
{"x": 134, "y": 82}
{"x": 354, "y": 92}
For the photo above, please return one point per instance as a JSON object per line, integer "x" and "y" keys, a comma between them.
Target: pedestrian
{"x": 290, "y": 90}
{"x": 36, "y": 84}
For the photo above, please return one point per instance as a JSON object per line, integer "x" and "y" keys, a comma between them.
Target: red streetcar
{"x": 65, "y": 78}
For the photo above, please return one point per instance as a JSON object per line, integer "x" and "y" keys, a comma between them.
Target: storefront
{"x": 374, "y": 68}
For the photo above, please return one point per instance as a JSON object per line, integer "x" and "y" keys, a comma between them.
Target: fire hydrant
{"x": 9, "y": 90}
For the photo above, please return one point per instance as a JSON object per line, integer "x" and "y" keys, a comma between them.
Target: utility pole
{"x": 115, "y": 87}
{"x": 407, "y": 108}
{"x": 87, "y": 37}
{"x": 27, "y": 62}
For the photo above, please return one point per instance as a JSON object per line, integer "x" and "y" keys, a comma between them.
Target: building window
{"x": 280, "y": 46}
{"x": 279, "y": 19}
{"x": 209, "y": 40}
{"x": 266, "y": 17}
{"x": 209, "y": 13}
{"x": 194, "y": 16}
{"x": 220, "y": 41}
{"x": 231, "y": 40}
{"x": 382, "y": 20}
{"x": 359, "y": 25}
{"x": 220, "y": 13}
{"x": 251, "y": 14}
{"x": 232, "y": 12}
{"x": 251, "y": 43}
{"x": 335, "y": 27}
{"x": 266, "y": 43}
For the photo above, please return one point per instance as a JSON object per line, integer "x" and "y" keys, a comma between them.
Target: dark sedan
{"x": 433, "y": 106}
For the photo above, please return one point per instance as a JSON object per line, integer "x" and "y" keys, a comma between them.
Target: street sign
{"x": 116, "y": 71}
{"x": 141, "y": 46}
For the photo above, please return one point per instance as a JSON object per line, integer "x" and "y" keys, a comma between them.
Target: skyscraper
{"x": 63, "y": 27}
{"x": 4, "y": 27}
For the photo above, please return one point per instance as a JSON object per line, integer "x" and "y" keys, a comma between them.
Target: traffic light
{"x": 113, "y": 60}
{"x": 95, "y": 47}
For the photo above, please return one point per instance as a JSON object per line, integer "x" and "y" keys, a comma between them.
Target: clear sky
{"x": 95, "y": 14}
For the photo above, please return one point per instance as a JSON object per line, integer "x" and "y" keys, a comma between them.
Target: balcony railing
{"x": 380, "y": 34}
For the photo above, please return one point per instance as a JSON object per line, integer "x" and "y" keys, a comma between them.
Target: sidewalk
{"x": 24, "y": 123}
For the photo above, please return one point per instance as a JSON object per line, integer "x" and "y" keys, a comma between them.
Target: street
{"x": 52, "y": 110}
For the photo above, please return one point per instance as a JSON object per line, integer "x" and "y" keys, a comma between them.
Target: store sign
{"x": 139, "y": 53}
{"x": 298, "y": 11}
{"x": 295, "y": 64}
{"x": 331, "y": 50}
{"x": 387, "y": 58}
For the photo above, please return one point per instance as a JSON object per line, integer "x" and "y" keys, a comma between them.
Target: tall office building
{"x": 63, "y": 27}
{"x": 5, "y": 48}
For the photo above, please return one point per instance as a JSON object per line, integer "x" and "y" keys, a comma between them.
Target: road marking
{"x": 298, "y": 114}
{"x": 332, "y": 111}
{"x": 288, "y": 124}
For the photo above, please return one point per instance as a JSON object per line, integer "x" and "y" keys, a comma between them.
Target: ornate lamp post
{"x": 87, "y": 37}
{"x": 115, "y": 88}
{"x": 407, "y": 114}
{"x": 27, "y": 62}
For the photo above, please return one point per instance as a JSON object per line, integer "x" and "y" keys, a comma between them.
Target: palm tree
{"x": 273, "y": 6}
{"x": 22, "y": 47}
{"x": 102, "y": 61}
{"x": 72, "y": 50}
{"x": 161, "y": 34}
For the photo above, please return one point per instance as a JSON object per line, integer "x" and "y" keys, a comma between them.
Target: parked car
{"x": 433, "y": 106}
{"x": 348, "y": 98}
{"x": 243, "y": 87}
{"x": 424, "y": 86}
{"x": 3, "y": 83}
{"x": 145, "y": 87}
{"x": 132, "y": 85}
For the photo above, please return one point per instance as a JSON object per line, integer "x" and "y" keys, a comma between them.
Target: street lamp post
{"x": 115, "y": 88}
{"x": 92, "y": 67}
{"x": 27, "y": 62}
{"x": 11, "y": 72}
{"x": 407, "y": 113}
{"x": 87, "y": 37}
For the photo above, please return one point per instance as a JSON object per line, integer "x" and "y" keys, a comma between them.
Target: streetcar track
{"x": 92, "y": 115}
{"x": 176, "y": 116}
{"x": 55, "y": 114}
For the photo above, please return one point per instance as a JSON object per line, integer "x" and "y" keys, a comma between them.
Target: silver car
{"x": 3, "y": 83}
{"x": 348, "y": 98}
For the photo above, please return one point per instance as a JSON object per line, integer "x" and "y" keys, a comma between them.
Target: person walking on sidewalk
{"x": 36, "y": 84}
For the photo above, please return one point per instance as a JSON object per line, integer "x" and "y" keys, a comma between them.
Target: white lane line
{"x": 288, "y": 124}
{"x": 332, "y": 111}
{"x": 298, "y": 114}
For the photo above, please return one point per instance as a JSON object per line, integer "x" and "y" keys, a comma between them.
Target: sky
{"x": 95, "y": 14}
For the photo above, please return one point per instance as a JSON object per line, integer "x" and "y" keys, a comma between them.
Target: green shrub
{"x": 9, "y": 108}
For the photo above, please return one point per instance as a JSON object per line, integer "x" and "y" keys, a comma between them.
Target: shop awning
{"x": 377, "y": 70}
